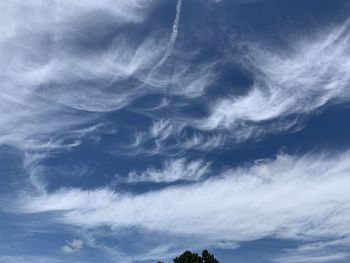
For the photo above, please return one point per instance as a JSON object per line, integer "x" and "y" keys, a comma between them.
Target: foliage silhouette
{"x": 208, "y": 258}
{"x": 190, "y": 257}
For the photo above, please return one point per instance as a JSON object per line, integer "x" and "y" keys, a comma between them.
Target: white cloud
{"x": 332, "y": 257}
{"x": 47, "y": 78}
{"x": 160, "y": 137}
{"x": 172, "y": 171}
{"x": 163, "y": 129}
{"x": 322, "y": 251}
{"x": 54, "y": 92}
{"x": 173, "y": 35}
{"x": 289, "y": 85}
{"x": 30, "y": 258}
{"x": 303, "y": 198}
{"x": 74, "y": 246}
{"x": 42, "y": 72}
{"x": 159, "y": 133}
{"x": 203, "y": 142}
{"x": 298, "y": 80}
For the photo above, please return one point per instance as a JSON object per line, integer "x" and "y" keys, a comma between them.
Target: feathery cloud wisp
{"x": 172, "y": 171}
{"x": 74, "y": 246}
{"x": 296, "y": 197}
{"x": 296, "y": 81}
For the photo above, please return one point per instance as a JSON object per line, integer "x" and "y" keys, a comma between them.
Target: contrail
{"x": 173, "y": 35}
{"x": 171, "y": 43}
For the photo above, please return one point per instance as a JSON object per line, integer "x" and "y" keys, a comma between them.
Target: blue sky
{"x": 132, "y": 130}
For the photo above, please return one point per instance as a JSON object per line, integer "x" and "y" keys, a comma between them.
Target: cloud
{"x": 302, "y": 198}
{"x": 172, "y": 138}
{"x": 203, "y": 142}
{"x": 321, "y": 251}
{"x": 47, "y": 75}
{"x": 58, "y": 84}
{"x": 295, "y": 81}
{"x": 30, "y": 258}
{"x": 159, "y": 133}
{"x": 290, "y": 84}
{"x": 173, "y": 35}
{"x": 172, "y": 171}
{"x": 74, "y": 246}
{"x": 54, "y": 73}
{"x": 54, "y": 76}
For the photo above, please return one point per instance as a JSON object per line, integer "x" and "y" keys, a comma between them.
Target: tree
{"x": 189, "y": 257}
{"x": 208, "y": 258}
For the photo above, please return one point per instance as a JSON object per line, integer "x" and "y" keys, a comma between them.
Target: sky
{"x": 133, "y": 130}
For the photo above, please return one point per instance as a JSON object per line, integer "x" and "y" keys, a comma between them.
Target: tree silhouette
{"x": 189, "y": 257}
{"x": 208, "y": 258}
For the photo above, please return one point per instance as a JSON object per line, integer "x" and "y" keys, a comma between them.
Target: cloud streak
{"x": 173, "y": 35}
{"x": 172, "y": 171}
{"x": 74, "y": 246}
{"x": 299, "y": 80}
{"x": 47, "y": 75}
{"x": 44, "y": 79}
{"x": 55, "y": 75}
{"x": 322, "y": 251}
{"x": 302, "y": 198}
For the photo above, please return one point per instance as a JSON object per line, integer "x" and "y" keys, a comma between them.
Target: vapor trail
{"x": 173, "y": 36}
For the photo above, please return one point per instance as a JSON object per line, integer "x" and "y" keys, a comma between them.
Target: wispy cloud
{"x": 173, "y": 35}
{"x": 41, "y": 81}
{"x": 37, "y": 259}
{"x": 172, "y": 171}
{"x": 290, "y": 84}
{"x": 299, "y": 80}
{"x": 303, "y": 198}
{"x": 74, "y": 246}
{"x": 37, "y": 82}
{"x": 159, "y": 133}
{"x": 321, "y": 251}
{"x": 53, "y": 76}
{"x": 160, "y": 137}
